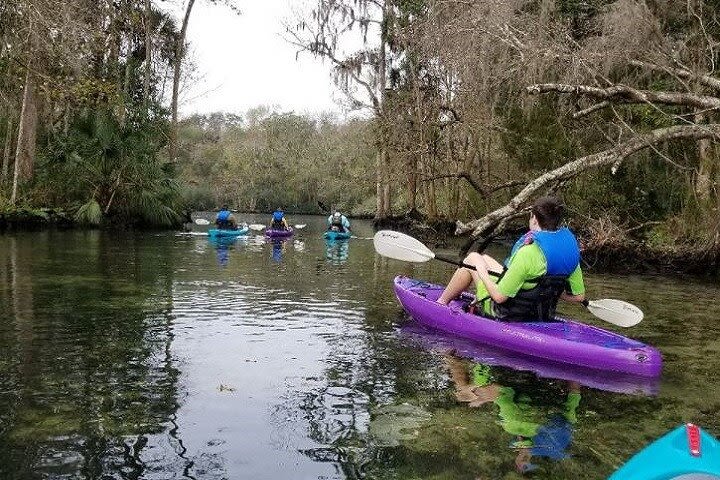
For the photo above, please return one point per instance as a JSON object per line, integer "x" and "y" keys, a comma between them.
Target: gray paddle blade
{"x": 401, "y": 247}
{"x": 202, "y": 221}
{"x": 257, "y": 227}
{"x": 622, "y": 314}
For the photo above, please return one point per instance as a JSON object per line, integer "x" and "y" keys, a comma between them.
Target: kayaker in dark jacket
{"x": 225, "y": 220}
{"x": 543, "y": 267}
{"x": 278, "y": 221}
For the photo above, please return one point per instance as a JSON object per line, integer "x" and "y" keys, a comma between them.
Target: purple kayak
{"x": 563, "y": 340}
{"x": 270, "y": 232}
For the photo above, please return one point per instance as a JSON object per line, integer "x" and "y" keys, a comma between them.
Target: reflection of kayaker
{"x": 534, "y": 434}
{"x": 336, "y": 251}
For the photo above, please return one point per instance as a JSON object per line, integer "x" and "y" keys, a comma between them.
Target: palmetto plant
{"x": 116, "y": 170}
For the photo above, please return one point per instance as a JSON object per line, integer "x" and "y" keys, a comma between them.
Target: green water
{"x": 157, "y": 356}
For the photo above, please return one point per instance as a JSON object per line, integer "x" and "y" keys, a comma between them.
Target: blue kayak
{"x": 686, "y": 453}
{"x": 331, "y": 235}
{"x": 216, "y": 232}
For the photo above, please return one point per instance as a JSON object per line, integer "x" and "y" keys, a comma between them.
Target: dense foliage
{"x": 267, "y": 159}
{"x": 474, "y": 100}
{"x": 81, "y": 109}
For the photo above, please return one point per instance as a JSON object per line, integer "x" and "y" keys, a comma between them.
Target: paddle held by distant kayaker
{"x": 337, "y": 222}
{"x": 543, "y": 266}
{"x": 278, "y": 220}
{"x": 225, "y": 220}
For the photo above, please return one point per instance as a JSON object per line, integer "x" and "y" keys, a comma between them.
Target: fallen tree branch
{"x": 591, "y": 109}
{"x": 705, "y": 80}
{"x": 486, "y": 225}
{"x": 484, "y": 191}
{"x": 625, "y": 94}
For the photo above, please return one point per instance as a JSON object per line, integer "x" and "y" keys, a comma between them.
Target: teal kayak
{"x": 686, "y": 453}
{"x": 216, "y": 232}
{"x": 331, "y": 235}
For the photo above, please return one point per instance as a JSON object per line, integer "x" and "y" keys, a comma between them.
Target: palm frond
{"x": 89, "y": 213}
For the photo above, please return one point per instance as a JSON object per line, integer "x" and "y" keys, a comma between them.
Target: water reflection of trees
{"x": 87, "y": 375}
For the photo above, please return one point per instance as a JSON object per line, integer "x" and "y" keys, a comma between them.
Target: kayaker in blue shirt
{"x": 543, "y": 267}
{"x": 225, "y": 220}
{"x": 278, "y": 221}
{"x": 338, "y": 222}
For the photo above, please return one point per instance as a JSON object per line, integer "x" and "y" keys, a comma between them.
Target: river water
{"x": 161, "y": 355}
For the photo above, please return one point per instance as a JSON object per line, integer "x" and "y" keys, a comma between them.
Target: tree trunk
{"x": 382, "y": 186}
{"x": 379, "y": 176}
{"x": 179, "y": 54}
{"x": 8, "y": 148}
{"x": 704, "y": 175}
{"x": 148, "y": 56}
{"x": 412, "y": 181}
{"x": 25, "y": 153}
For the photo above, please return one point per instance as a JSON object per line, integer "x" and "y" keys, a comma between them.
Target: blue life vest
{"x": 562, "y": 255}
{"x": 561, "y": 249}
{"x": 223, "y": 215}
{"x": 278, "y": 215}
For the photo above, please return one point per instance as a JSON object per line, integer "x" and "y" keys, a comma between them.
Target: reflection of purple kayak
{"x": 270, "y": 232}
{"x": 562, "y": 341}
{"x": 435, "y": 340}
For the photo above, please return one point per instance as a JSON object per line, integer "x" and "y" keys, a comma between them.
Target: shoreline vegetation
{"x": 601, "y": 251}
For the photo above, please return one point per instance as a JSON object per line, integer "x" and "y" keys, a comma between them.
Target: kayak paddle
{"x": 260, "y": 227}
{"x": 202, "y": 221}
{"x": 408, "y": 249}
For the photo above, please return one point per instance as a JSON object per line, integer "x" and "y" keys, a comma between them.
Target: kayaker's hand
{"x": 481, "y": 275}
{"x": 477, "y": 261}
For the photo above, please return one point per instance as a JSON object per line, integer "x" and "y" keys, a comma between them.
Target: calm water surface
{"x": 158, "y": 356}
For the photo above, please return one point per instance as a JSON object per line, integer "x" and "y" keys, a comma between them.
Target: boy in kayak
{"x": 338, "y": 222}
{"x": 543, "y": 267}
{"x": 278, "y": 221}
{"x": 225, "y": 220}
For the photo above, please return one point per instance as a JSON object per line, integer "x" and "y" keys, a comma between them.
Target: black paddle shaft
{"x": 454, "y": 262}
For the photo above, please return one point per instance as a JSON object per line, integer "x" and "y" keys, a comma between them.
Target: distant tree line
{"x": 265, "y": 159}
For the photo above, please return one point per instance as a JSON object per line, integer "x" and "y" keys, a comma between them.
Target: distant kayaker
{"x": 225, "y": 220}
{"x": 543, "y": 266}
{"x": 278, "y": 221}
{"x": 337, "y": 222}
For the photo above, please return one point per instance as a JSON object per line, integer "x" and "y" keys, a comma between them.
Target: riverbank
{"x": 35, "y": 219}
{"x": 601, "y": 251}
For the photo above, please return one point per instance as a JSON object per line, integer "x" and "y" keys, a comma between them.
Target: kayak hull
{"x": 269, "y": 232}
{"x": 216, "y": 232}
{"x": 563, "y": 340}
{"x": 330, "y": 235}
{"x": 669, "y": 457}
